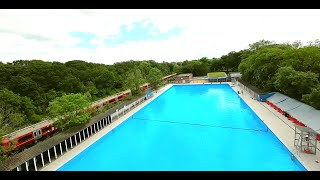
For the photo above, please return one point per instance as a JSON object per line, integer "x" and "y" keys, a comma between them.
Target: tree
{"x": 315, "y": 43}
{"x": 294, "y": 83}
{"x": 259, "y": 44}
{"x": 91, "y": 88}
{"x": 313, "y": 98}
{"x": 15, "y": 112}
{"x": 297, "y": 44}
{"x": 68, "y": 105}
{"x": 145, "y": 68}
{"x": 200, "y": 68}
{"x": 71, "y": 84}
{"x": 134, "y": 80}
{"x": 154, "y": 77}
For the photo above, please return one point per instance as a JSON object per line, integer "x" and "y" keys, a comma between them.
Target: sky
{"x": 113, "y": 35}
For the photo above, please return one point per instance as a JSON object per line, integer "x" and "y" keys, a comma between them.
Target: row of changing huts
{"x": 299, "y": 113}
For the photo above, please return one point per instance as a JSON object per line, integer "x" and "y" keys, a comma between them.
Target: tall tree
{"x": 68, "y": 105}
{"x": 154, "y": 77}
{"x": 134, "y": 80}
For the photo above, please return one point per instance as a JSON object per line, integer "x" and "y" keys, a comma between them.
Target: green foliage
{"x": 15, "y": 110}
{"x": 313, "y": 98}
{"x": 259, "y": 68}
{"x": 145, "y": 68}
{"x": 294, "y": 83}
{"x": 5, "y": 128}
{"x": 134, "y": 80}
{"x": 128, "y": 97}
{"x": 154, "y": 77}
{"x": 83, "y": 118}
{"x": 68, "y": 105}
{"x": 259, "y": 44}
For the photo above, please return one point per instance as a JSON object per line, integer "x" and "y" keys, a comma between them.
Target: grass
{"x": 217, "y": 74}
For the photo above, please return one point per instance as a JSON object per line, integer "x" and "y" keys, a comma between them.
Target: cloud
{"x": 138, "y": 34}
{"x": 140, "y": 31}
{"x": 26, "y": 35}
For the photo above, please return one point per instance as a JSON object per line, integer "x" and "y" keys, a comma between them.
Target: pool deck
{"x": 277, "y": 123}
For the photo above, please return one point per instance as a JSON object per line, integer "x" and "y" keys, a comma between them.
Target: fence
{"x": 250, "y": 91}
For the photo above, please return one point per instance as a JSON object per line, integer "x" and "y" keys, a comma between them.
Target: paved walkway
{"x": 277, "y": 123}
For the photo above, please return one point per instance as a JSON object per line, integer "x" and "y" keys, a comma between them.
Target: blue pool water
{"x": 189, "y": 127}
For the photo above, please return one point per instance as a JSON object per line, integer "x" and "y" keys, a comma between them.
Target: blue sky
{"x": 85, "y": 38}
{"x": 112, "y": 35}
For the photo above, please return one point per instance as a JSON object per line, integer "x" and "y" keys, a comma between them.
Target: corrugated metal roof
{"x": 289, "y": 104}
{"x": 277, "y": 97}
{"x": 302, "y": 112}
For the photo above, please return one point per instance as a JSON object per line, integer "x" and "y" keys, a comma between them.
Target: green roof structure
{"x": 217, "y": 75}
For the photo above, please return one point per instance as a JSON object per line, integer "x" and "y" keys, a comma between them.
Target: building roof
{"x": 277, "y": 97}
{"x": 187, "y": 74}
{"x": 305, "y": 129}
{"x": 217, "y": 75}
{"x": 235, "y": 74}
{"x": 289, "y": 104}
{"x": 300, "y": 111}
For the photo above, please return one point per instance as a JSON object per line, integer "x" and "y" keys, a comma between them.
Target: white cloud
{"x": 33, "y": 34}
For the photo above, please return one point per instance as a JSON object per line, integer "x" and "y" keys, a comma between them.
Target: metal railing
{"x": 245, "y": 88}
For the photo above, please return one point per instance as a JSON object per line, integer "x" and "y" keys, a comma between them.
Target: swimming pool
{"x": 189, "y": 127}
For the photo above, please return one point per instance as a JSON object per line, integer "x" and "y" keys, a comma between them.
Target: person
{"x": 238, "y": 92}
{"x": 241, "y": 91}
